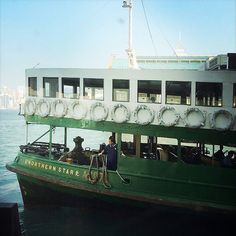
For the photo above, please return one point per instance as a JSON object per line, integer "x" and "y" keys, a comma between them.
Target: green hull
{"x": 151, "y": 182}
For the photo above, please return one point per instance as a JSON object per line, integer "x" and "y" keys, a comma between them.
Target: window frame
{"x": 121, "y": 89}
{"x": 205, "y": 104}
{"x": 234, "y": 96}
{"x": 148, "y": 97}
{"x": 34, "y": 92}
{"x": 84, "y": 88}
{"x": 76, "y": 88}
{"x": 190, "y": 95}
{"x": 57, "y": 89}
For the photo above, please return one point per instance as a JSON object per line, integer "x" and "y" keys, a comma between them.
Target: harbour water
{"x": 85, "y": 220}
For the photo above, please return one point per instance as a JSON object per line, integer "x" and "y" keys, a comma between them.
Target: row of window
{"x": 149, "y": 91}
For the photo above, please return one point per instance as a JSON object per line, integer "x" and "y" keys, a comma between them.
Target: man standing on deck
{"x": 111, "y": 151}
{"x": 219, "y": 155}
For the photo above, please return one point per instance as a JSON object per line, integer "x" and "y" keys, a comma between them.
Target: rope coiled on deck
{"x": 96, "y": 178}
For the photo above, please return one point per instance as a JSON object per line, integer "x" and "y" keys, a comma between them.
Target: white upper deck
{"x": 205, "y": 99}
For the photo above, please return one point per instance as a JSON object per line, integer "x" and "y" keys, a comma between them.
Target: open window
{"x": 32, "y": 86}
{"x": 50, "y": 87}
{"x": 209, "y": 94}
{"x": 71, "y": 87}
{"x": 127, "y": 144}
{"x": 120, "y": 90}
{"x": 149, "y": 91}
{"x": 139, "y": 146}
{"x": 94, "y": 89}
{"x": 178, "y": 92}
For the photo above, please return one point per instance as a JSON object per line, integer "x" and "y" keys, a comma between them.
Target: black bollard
{"x": 9, "y": 219}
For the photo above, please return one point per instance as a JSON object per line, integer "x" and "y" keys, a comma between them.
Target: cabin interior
{"x": 151, "y": 148}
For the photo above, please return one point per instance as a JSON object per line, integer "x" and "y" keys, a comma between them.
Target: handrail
{"x": 177, "y": 157}
{"x": 43, "y": 135}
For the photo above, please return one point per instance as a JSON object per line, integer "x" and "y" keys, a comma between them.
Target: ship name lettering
{"x": 67, "y": 171}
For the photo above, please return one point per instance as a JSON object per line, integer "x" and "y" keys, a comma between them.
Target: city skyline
{"x": 79, "y": 33}
{"x": 11, "y": 98}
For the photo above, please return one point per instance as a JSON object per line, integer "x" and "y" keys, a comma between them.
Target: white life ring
{"x": 221, "y": 120}
{"x": 120, "y": 113}
{"x": 59, "y": 108}
{"x": 98, "y": 112}
{"x": 30, "y": 107}
{"x": 168, "y": 116}
{"x": 194, "y": 118}
{"x": 43, "y": 107}
{"x": 143, "y": 115}
{"x": 78, "y": 110}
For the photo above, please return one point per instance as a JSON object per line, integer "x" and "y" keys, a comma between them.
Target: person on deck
{"x": 219, "y": 155}
{"x": 228, "y": 160}
{"x": 111, "y": 151}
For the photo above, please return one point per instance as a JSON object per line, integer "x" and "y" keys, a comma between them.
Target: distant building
{"x": 11, "y": 98}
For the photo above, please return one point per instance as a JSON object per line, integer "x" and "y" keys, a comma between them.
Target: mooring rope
{"x": 90, "y": 177}
{"x": 105, "y": 179}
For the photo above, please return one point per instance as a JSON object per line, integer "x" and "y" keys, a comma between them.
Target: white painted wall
{"x": 225, "y": 77}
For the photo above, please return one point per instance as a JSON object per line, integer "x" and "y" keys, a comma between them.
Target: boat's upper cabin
{"x": 164, "y": 97}
{"x": 196, "y": 88}
{"x": 179, "y": 62}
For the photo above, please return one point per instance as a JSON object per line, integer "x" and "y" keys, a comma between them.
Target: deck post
{"x": 179, "y": 149}
{"x": 50, "y": 142}
{"x": 212, "y": 157}
{"x": 27, "y": 132}
{"x": 137, "y": 141}
{"x": 65, "y": 136}
{"x": 118, "y": 145}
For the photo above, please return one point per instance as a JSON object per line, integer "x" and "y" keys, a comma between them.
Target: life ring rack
{"x": 59, "y": 108}
{"x": 30, "y": 107}
{"x": 175, "y": 115}
{"x": 123, "y": 117}
{"x": 227, "y": 115}
{"x": 78, "y": 110}
{"x": 97, "y": 115}
{"x": 43, "y": 107}
{"x": 198, "y": 123}
{"x": 149, "y": 117}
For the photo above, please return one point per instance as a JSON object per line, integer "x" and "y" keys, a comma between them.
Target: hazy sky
{"x": 84, "y": 33}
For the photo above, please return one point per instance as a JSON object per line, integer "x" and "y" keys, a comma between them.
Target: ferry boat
{"x": 175, "y": 119}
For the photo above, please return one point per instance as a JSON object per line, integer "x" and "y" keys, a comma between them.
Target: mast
{"x": 130, "y": 51}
